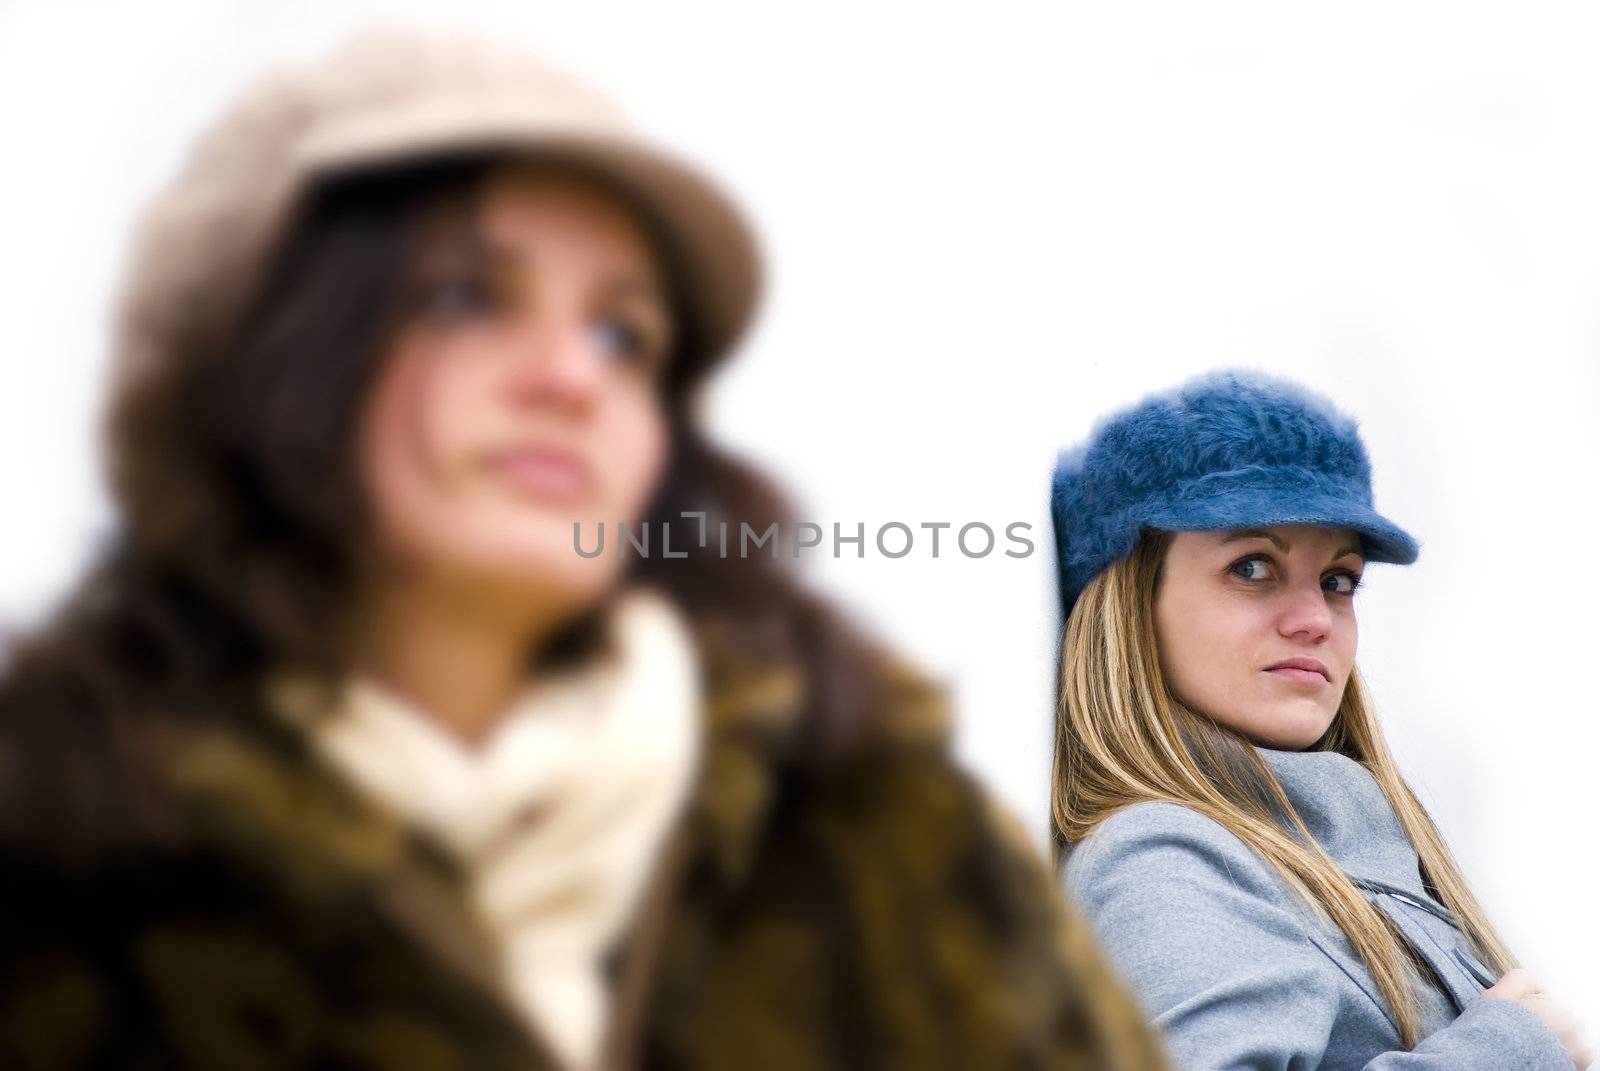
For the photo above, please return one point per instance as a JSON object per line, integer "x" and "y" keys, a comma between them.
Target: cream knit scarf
{"x": 559, "y": 815}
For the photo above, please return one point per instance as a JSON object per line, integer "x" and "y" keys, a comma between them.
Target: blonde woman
{"x": 1228, "y": 813}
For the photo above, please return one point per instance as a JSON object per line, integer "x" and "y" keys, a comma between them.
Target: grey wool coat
{"x": 1239, "y": 973}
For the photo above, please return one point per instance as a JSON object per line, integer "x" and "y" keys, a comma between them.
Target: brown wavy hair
{"x": 240, "y": 511}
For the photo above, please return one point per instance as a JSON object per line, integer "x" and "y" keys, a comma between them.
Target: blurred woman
{"x": 1232, "y": 820}
{"x": 349, "y": 752}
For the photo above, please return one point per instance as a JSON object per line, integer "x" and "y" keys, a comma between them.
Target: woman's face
{"x": 1232, "y": 608}
{"x": 521, "y": 395}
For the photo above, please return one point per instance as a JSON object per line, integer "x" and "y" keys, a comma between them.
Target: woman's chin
{"x": 1289, "y": 729}
{"x": 531, "y": 570}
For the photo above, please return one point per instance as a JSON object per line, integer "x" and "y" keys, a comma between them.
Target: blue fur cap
{"x": 1227, "y": 449}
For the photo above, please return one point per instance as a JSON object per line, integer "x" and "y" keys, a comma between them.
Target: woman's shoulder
{"x": 1153, "y": 847}
{"x": 1150, "y": 825}
{"x": 1180, "y": 901}
{"x": 64, "y": 767}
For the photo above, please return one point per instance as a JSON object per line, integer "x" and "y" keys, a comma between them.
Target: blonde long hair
{"x": 1122, "y": 738}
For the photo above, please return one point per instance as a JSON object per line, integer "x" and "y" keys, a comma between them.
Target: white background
{"x": 985, "y": 226}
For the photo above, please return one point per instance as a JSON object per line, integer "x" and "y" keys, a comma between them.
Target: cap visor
{"x": 1382, "y": 540}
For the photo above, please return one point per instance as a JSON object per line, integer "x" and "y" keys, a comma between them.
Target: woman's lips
{"x": 547, "y": 473}
{"x": 1301, "y": 676}
{"x": 1302, "y": 670}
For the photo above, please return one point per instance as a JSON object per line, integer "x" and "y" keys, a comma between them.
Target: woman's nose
{"x": 555, "y": 366}
{"x": 1305, "y": 614}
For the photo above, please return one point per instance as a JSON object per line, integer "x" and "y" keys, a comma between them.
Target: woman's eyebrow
{"x": 1281, "y": 544}
{"x": 470, "y": 250}
{"x": 630, "y": 286}
{"x": 1256, "y": 533}
{"x": 493, "y": 251}
{"x": 490, "y": 252}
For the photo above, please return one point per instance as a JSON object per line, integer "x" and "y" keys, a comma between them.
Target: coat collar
{"x": 1347, "y": 813}
{"x": 260, "y": 796}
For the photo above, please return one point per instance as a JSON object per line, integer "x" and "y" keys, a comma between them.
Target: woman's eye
{"x": 1343, "y": 583}
{"x": 1250, "y": 569}
{"x": 620, "y": 338}
{"x": 457, "y": 298}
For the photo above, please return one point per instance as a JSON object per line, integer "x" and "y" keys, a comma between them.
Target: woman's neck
{"x": 457, "y": 653}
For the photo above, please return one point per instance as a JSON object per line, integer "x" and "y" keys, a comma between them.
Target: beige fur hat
{"x": 393, "y": 94}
